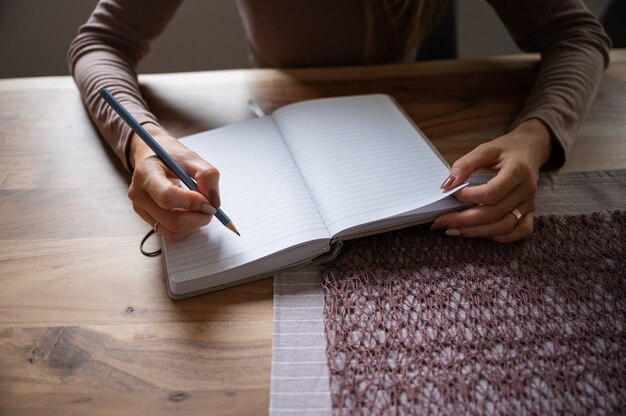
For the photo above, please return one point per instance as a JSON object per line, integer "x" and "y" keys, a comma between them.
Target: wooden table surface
{"x": 86, "y": 326}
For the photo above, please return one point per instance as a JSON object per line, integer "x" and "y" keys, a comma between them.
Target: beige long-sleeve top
{"x": 286, "y": 33}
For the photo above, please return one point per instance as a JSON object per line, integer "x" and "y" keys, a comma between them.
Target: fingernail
{"x": 438, "y": 225}
{"x": 207, "y": 209}
{"x": 214, "y": 197}
{"x": 453, "y": 232}
{"x": 449, "y": 181}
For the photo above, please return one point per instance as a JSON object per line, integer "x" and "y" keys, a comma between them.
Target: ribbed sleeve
{"x": 106, "y": 53}
{"x": 574, "y": 53}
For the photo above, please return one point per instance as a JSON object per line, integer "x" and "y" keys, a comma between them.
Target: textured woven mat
{"x": 417, "y": 322}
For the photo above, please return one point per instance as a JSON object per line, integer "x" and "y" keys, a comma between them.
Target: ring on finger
{"x": 517, "y": 214}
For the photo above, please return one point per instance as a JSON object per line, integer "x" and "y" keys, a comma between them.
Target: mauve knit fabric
{"x": 421, "y": 323}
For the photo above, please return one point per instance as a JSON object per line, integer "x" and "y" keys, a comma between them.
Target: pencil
{"x": 161, "y": 153}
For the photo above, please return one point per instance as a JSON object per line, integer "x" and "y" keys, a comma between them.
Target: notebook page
{"x": 263, "y": 194}
{"x": 361, "y": 158}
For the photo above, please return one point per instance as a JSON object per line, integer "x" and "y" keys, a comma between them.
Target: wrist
{"x": 137, "y": 148}
{"x": 539, "y": 138}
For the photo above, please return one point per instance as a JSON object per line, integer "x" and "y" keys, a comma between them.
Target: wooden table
{"x": 86, "y": 326}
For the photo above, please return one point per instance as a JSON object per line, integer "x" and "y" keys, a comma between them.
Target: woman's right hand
{"x": 156, "y": 195}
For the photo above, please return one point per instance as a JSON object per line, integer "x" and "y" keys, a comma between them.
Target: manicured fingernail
{"x": 438, "y": 225}
{"x": 449, "y": 181}
{"x": 214, "y": 197}
{"x": 453, "y": 232}
{"x": 207, "y": 209}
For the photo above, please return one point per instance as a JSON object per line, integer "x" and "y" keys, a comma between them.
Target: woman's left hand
{"x": 517, "y": 157}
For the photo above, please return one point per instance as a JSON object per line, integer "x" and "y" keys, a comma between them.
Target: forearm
{"x": 106, "y": 53}
{"x": 98, "y": 70}
{"x": 564, "y": 90}
{"x": 574, "y": 53}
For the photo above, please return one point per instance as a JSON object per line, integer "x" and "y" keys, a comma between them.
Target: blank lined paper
{"x": 262, "y": 192}
{"x": 361, "y": 158}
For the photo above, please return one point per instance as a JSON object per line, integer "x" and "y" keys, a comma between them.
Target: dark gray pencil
{"x": 161, "y": 153}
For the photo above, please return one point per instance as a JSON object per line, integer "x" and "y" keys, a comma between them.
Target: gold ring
{"x": 155, "y": 227}
{"x": 516, "y": 214}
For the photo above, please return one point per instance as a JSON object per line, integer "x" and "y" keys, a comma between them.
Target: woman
{"x": 284, "y": 33}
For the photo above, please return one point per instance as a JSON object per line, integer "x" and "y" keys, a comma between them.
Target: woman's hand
{"x": 157, "y": 198}
{"x": 517, "y": 157}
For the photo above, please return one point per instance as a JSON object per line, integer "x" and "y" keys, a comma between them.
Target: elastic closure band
{"x": 148, "y": 253}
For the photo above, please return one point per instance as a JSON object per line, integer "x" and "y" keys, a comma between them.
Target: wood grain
{"x": 86, "y": 326}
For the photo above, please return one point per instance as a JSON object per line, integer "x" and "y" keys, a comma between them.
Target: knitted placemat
{"x": 417, "y": 322}
{"x": 301, "y": 373}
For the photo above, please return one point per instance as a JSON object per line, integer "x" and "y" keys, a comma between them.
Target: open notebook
{"x": 300, "y": 181}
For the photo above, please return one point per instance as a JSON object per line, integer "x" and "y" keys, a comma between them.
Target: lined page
{"x": 263, "y": 194}
{"x": 361, "y": 158}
